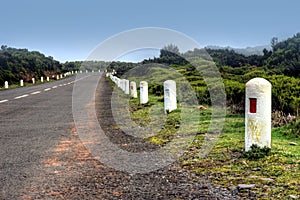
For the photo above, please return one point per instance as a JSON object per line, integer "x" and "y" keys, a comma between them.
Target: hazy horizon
{"x": 68, "y": 30}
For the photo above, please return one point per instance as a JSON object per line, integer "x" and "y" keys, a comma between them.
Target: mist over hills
{"x": 248, "y": 51}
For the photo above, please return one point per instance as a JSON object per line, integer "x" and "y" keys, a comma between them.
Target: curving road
{"x": 32, "y": 121}
{"x": 42, "y": 157}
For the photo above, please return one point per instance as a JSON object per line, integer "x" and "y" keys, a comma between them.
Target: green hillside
{"x": 16, "y": 64}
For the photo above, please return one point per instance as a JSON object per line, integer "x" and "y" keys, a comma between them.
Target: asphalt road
{"x": 42, "y": 156}
{"x": 32, "y": 121}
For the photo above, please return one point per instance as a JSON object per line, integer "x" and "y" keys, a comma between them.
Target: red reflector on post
{"x": 252, "y": 105}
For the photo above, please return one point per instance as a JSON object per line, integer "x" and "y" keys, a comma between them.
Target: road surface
{"x": 42, "y": 156}
{"x": 32, "y": 122}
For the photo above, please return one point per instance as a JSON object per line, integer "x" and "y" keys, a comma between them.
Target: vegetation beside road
{"x": 275, "y": 172}
{"x": 276, "y": 175}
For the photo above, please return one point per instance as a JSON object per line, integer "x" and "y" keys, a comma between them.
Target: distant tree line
{"x": 17, "y": 64}
{"x": 284, "y": 58}
{"x": 281, "y": 66}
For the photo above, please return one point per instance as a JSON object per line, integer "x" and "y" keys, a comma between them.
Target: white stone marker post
{"x": 6, "y": 85}
{"x": 61, "y": 76}
{"x": 33, "y": 80}
{"x": 133, "y": 91}
{"x": 118, "y": 82}
{"x": 48, "y": 78}
{"x": 42, "y": 79}
{"x": 57, "y": 77}
{"x": 126, "y": 86}
{"x": 21, "y": 83}
{"x": 170, "y": 97}
{"x": 258, "y": 113}
{"x": 143, "y": 92}
{"x": 123, "y": 85}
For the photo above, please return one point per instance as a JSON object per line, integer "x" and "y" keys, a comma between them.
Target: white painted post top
{"x": 258, "y": 83}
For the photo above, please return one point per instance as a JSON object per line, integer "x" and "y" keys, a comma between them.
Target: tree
{"x": 170, "y": 54}
{"x": 274, "y": 42}
{"x": 171, "y": 48}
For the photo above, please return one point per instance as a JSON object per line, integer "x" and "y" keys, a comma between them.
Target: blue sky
{"x": 70, "y": 30}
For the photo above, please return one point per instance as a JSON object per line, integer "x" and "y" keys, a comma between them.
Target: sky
{"x": 69, "y": 30}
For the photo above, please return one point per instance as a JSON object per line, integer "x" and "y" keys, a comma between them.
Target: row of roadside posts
{"x": 130, "y": 88}
{"x": 58, "y": 76}
{"x": 258, "y": 106}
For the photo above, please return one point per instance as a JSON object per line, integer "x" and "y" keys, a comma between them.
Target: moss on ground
{"x": 276, "y": 175}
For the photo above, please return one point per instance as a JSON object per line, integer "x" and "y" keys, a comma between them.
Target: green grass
{"x": 147, "y": 114}
{"x": 224, "y": 164}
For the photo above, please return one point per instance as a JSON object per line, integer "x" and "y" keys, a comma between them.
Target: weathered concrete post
{"x": 48, "y": 78}
{"x": 118, "y": 82}
{"x": 61, "y": 76}
{"x": 21, "y": 83}
{"x": 133, "y": 91}
{"x": 6, "y": 85}
{"x": 123, "y": 85}
{"x": 143, "y": 92}
{"x": 57, "y": 77}
{"x": 258, "y": 113}
{"x": 126, "y": 86}
{"x": 42, "y": 79}
{"x": 170, "y": 98}
{"x": 33, "y": 80}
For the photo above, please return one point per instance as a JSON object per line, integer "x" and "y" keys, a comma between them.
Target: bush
{"x": 293, "y": 128}
{"x": 279, "y": 118}
{"x": 256, "y": 152}
{"x": 156, "y": 89}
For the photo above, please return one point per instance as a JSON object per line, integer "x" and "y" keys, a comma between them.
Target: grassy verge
{"x": 275, "y": 176}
